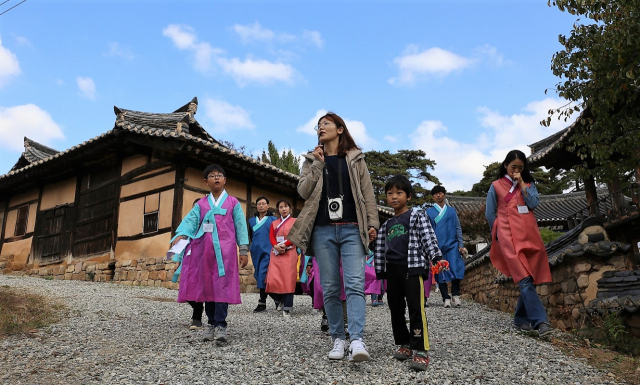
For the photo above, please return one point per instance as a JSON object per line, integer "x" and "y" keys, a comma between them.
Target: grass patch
{"x": 22, "y": 312}
{"x": 605, "y": 345}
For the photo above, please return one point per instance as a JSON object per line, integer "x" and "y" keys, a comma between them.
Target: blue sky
{"x": 462, "y": 80}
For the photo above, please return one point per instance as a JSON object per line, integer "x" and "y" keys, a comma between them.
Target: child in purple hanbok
{"x": 372, "y": 285}
{"x": 216, "y": 227}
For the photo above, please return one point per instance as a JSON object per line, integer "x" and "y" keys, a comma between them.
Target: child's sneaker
{"x": 404, "y": 353}
{"x": 324, "y": 324}
{"x": 358, "y": 351}
{"x": 420, "y": 362}
{"x": 337, "y": 353}
{"x": 456, "y": 301}
{"x": 260, "y": 308}
{"x": 220, "y": 335}
{"x": 196, "y": 324}
{"x": 447, "y": 303}
{"x": 286, "y": 313}
{"x": 209, "y": 333}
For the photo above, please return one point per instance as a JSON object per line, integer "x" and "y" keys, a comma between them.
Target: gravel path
{"x": 137, "y": 335}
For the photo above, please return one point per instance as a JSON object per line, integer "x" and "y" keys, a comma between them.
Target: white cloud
{"x": 356, "y": 128}
{"x": 9, "y": 65}
{"x": 390, "y": 139}
{"x": 308, "y": 127}
{"x": 257, "y": 33}
{"x": 225, "y": 116}
{"x": 435, "y": 61}
{"x": 207, "y": 58}
{"x": 491, "y": 55}
{"x": 461, "y": 164}
{"x": 29, "y": 120}
{"x": 22, "y": 41}
{"x": 261, "y": 71}
{"x": 458, "y": 165}
{"x": 87, "y": 87}
{"x": 253, "y": 32}
{"x": 314, "y": 37}
{"x": 185, "y": 38}
{"x": 116, "y": 50}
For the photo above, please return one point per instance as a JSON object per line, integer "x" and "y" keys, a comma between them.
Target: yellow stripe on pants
{"x": 423, "y": 315}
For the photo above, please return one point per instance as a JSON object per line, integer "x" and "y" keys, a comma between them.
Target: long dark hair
{"x": 345, "y": 142}
{"x": 511, "y": 156}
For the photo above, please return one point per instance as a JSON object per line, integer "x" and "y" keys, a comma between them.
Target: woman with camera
{"x": 338, "y": 221}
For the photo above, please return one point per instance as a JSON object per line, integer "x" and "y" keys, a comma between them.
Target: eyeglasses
{"x": 216, "y": 176}
{"x": 324, "y": 124}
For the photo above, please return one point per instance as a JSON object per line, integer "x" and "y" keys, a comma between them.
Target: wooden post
{"x": 592, "y": 195}
{"x": 178, "y": 197}
{"x": 4, "y": 221}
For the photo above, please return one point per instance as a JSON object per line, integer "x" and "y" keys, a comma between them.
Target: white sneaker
{"x": 456, "y": 301}
{"x": 447, "y": 303}
{"x": 337, "y": 353}
{"x": 286, "y": 313}
{"x": 358, "y": 351}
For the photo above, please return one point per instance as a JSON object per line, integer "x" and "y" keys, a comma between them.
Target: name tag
{"x": 280, "y": 239}
{"x": 523, "y": 210}
{"x": 208, "y": 227}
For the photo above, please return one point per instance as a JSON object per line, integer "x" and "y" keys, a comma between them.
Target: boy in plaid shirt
{"x": 405, "y": 247}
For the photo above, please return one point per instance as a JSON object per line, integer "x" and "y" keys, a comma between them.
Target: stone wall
{"x": 574, "y": 285}
{"x": 136, "y": 272}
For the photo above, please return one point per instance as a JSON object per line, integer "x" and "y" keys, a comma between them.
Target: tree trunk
{"x": 592, "y": 195}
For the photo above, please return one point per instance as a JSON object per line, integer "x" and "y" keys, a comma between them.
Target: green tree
{"x": 232, "y": 146}
{"x": 489, "y": 175}
{"x": 474, "y": 223}
{"x": 285, "y": 161}
{"x": 411, "y": 163}
{"x": 551, "y": 181}
{"x": 599, "y": 68}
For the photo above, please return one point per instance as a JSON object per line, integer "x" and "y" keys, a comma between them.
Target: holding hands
{"x": 280, "y": 248}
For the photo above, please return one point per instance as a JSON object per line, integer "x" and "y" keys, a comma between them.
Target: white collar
{"x": 216, "y": 202}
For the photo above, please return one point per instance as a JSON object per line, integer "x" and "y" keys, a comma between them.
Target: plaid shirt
{"x": 423, "y": 246}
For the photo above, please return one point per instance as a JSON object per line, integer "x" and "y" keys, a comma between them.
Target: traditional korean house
{"x": 117, "y": 199}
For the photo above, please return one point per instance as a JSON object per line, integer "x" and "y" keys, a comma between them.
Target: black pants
{"x": 402, "y": 291}
{"x": 198, "y": 307}
{"x": 263, "y": 297}
{"x": 455, "y": 289}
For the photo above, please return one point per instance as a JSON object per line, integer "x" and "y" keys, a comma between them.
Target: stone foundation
{"x": 574, "y": 285}
{"x": 155, "y": 272}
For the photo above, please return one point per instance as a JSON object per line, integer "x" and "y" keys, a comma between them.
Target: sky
{"x": 463, "y": 81}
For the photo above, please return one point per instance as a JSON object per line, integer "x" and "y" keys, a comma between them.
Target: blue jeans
{"x": 333, "y": 244}
{"x": 217, "y": 313}
{"x": 529, "y": 310}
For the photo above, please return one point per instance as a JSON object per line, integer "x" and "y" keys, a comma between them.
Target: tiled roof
{"x": 163, "y": 124}
{"x": 618, "y": 291}
{"x": 33, "y": 152}
{"x": 552, "y": 208}
{"x": 552, "y": 146}
{"x": 178, "y": 125}
{"x": 560, "y": 249}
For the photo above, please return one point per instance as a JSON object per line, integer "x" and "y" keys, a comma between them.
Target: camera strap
{"x": 326, "y": 179}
